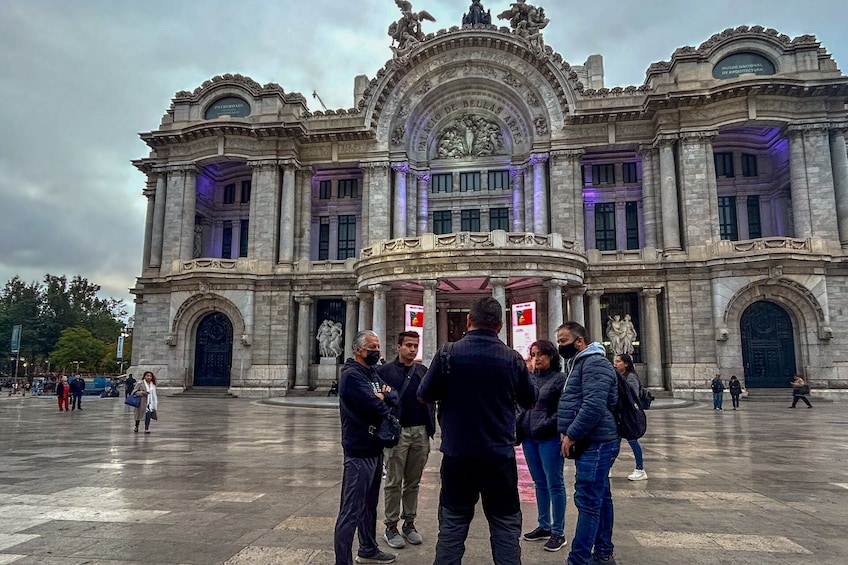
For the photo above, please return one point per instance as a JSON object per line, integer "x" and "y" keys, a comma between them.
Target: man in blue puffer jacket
{"x": 585, "y": 421}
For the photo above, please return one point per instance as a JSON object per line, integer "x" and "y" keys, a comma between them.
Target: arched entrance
{"x": 213, "y": 356}
{"x": 768, "y": 346}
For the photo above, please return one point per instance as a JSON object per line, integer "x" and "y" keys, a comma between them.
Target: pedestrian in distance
{"x": 405, "y": 462}
{"x": 478, "y": 381}
{"x": 364, "y": 401}
{"x": 77, "y": 390}
{"x": 147, "y": 410}
{"x": 800, "y": 390}
{"x": 63, "y": 392}
{"x": 717, "y": 386}
{"x": 129, "y": 386}
{"x": 735, "y": 386}
{"x": 624, "y": 366}
{"x": 541, "y": 446}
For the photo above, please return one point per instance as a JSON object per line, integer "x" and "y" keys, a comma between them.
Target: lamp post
{"x": 77, "y": 363}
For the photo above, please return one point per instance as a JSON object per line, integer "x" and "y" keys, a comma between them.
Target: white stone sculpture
{"x": 329, "y": 338}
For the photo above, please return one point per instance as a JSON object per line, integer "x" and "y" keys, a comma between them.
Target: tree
{"x": 77, "y": 344}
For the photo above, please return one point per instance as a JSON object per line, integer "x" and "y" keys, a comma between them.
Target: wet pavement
{"x": 246, "y": 482}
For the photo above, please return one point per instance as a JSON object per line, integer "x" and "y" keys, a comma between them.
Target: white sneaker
{"x": 609, "y": 475}
{"x": 638, "y": 475}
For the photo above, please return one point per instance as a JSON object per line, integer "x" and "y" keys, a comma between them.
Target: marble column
{"x": 399, "y": 211}
{"x": 430, "y": 345}
{"x": 499, "y": 294}
{"x": 304, "y": 342}
{"x": 378, "y": 323}
{"x": 366, "y": 309}
{"x": 669, "y": 200}
{"x": 839, "y": 162}
{"x": 303, "y": 203}
{"x": 555, "y": 320}
{"x": 423, "y": 206}
{"x": 148, "y": 227}
{"x": 649, "y": 204}
{"x": 350, "y": 323}
{"x": 189, "y": 211}
{"x": 540, "y": 194}
{"x": 595, "y": 329}
{"x": 287, "y": 216}
{"x": 651, "y": 342}
{"x": 801, "y": 219}
{"x": 442, "y": 329}
{"x": 516, "y": 177}
{"x": 264, "y": 207}
{"x": 575, "y": 305}
{"x": 158, "y": 221}
{"x": 529, "y": 204}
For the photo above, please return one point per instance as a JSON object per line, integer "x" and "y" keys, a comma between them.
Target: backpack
{"x": 630, "y": 418}
{"x": 645, "y": 397}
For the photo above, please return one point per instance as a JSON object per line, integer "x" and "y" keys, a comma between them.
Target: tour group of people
{"x": 477, "y": 383}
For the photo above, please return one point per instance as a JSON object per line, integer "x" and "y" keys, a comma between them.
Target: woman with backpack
{"x": 624, "y": 366}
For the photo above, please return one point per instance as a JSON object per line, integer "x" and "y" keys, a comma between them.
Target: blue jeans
{"x": 637, "y": 452}
{"x": 464, "y": 480}
{"x": 545, "y": 460}
{"x": 594, "y": 503}
{"x": 358, "y": 507}
{"x": 718, "y": 397}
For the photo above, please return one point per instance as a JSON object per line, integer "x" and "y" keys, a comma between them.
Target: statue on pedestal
{"x": 329, "y": 338}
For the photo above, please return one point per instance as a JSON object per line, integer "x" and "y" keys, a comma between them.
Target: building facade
{"x": 705, "y": 212}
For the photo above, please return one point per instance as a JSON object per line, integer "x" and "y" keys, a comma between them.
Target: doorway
{"x": 768, "y": 346}
{"x": 213, "y": 357}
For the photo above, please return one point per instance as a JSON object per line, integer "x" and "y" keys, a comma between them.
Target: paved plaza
{"x": 244, "y": 482}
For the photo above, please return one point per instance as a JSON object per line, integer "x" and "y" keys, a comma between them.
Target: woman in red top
{"x": 63, "y": 392}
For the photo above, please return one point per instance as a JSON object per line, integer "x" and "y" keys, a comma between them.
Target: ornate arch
{"x": 190, "y": 312}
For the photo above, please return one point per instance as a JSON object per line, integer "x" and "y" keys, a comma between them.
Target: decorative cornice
{"x": 234, "y": 80}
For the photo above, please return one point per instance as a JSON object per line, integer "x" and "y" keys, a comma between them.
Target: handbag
{"x": 805, "y": 390}
{"x": 154, "y": 415}
{"x": 388, "y": 432}
{"x": 133, "y": 400}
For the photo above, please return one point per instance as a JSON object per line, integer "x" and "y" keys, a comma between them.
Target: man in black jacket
{"x": 406, "y": 461}
{"x": 364, "y": 400}
{"x": 77, "y": 388}
{"x": 478, "y": 389}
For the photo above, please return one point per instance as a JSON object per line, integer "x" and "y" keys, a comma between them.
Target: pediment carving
{"x": 469, "y": 135}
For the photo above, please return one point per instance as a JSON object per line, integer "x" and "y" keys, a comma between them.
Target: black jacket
{"x": 409, "y": 410}
{"x": 540, "y": 422}
{"x": 360, "y": 408}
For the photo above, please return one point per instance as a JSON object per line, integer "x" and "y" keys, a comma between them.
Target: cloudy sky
{"x": 80, "y": 79}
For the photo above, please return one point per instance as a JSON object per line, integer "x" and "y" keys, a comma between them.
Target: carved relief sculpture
{"x": 621, "y": 334}
{"x": 329, "y": 338}
{"x": 470, "y": 136}
{"x": 476, "y": 15}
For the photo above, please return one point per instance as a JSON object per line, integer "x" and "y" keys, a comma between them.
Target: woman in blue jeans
{"x": 541, "y": 445}
{"x": 624, "y": 366}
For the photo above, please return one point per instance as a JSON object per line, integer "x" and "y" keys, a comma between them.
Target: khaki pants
{"x": 404, "y": 465}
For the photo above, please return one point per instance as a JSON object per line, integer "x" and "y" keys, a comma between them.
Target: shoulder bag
{"x": 133, "y": 400}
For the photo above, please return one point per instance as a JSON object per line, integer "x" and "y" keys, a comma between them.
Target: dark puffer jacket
{"x": 540, "y": 422}
{"x": 589, "y": 395}
{"x": 360, "y": 408}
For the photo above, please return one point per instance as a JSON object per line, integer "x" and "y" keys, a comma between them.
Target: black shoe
{"x": 608, "y": 560}
{"x": 379, "y": 557}
{"x": 538, "y": 534}
{"x": 555, "y": 543}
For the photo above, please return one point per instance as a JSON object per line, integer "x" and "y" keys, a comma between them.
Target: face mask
{"x": 372, "y": 357}
{"x": 567, "y": 351}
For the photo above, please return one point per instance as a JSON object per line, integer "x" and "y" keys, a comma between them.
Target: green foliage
{"x": 77, "y": 344}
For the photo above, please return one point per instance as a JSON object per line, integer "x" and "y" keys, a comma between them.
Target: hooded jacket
{"x": 360, "y": 408}
{"x": 588, "y": 397}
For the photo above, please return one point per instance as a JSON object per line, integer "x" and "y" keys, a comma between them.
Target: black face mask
{"x": 372, "y": 357}
{"x": 567, "y": 351}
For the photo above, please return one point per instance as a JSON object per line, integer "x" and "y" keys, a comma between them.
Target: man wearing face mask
{"x": 364, "y": 400}
{"x": 478, "y": 391}
{"x": 589, "y": 436}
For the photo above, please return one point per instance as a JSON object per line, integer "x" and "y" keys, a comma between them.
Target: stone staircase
{"x": 205, "y": 392}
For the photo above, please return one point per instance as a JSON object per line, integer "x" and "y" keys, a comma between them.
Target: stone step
{"x": 206, "y": 392}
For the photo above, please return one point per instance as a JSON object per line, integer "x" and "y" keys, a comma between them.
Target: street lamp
{"x": 77, "y": 363}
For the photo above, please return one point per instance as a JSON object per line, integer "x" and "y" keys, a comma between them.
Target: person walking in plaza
{"x": 63, "y": 392}
{"x": 800, "y": 390}
{"x": 624, "y": 366}
{"x": 77, "y": 389}
{"x": 478, "y": 381}
{"x": 590, "y": 437}
{"x": 146, "y": 389}
{"x": 129, "y": 386}
{"x": 735, "y": 386}
{"x": 717, "y": 386}
{"x": 406, "y": 461}
{"x": 541, "y": 447}
{"x": 364, "y": 400}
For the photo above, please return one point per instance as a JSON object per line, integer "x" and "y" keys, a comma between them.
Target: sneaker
{"x": 379, "y": 557}
{"x": 411, "y": 534}
{"x": 638, "y": 475}
{"x": 393, "y": 538}
{"x": 609, "y": 474}
{"x": 608, "y": 560}
{"x": 555, "y": 543}
{"x": 538, "y": 534}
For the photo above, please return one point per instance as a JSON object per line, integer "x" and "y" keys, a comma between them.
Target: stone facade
{"x": 713, "y": 211}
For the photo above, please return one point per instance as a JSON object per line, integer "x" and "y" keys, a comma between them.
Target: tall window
{"x": 324, "y": 191}
{"x": 629, "y": 173}
{"x": 470, "y": 220}
{"x": 603, "y": 174}
{"x": 499, "y": 219}
{"x": 755, "y": 226}
{"x": 442, "y": 222}
{"x": 605, "y": 226}
{"x": 227, "y": 240}
{"x": 230, "y": 194}
{"x": 749, "y": 165}
{"x": 245, "y": 191}
{"x": 727, "y": 218}
{"x": 442, "y": 183}
{"x": 631, "y": 219}
{"x": 724, "y": 165}
{"x": 469, "y": 182}
{"x": 324, "y": 238}
{"x": 243, "y": 231}
{"x": 498, "y": 180}
{"x": 348, "y": 188}
{"x": 347, "y": 237}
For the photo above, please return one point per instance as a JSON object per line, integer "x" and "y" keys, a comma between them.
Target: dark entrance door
{"x": 768, "y": 346}
{"x": 214, "y": 351}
